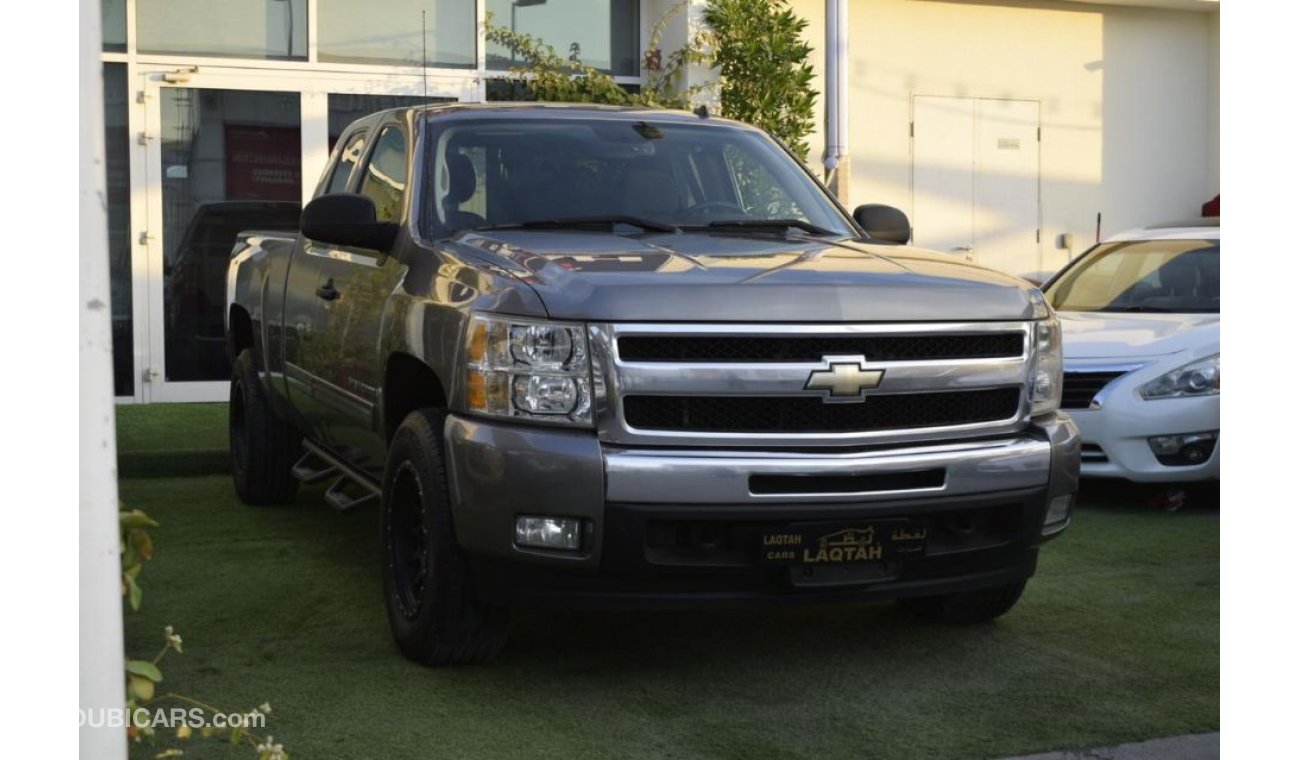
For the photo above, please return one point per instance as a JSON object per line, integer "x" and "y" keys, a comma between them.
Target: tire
{"x": 433, "y": 607}
{"x": 965, "y": 607}
{"x": 263, "y": 448}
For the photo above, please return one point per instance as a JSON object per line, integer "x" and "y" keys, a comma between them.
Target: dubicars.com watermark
{"x": 168, "y": 717}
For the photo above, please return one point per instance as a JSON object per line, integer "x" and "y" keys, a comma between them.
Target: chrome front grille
{"x": 811, "y": 348}
{"x": 1082, "y": 387}
{"x": 738, "y": 385}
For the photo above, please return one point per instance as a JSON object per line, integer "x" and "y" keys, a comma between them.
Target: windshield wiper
{"x": 768, "y": 225}
{"x": 578, "y": 222}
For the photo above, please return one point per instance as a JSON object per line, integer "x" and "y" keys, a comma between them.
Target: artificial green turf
{"x": 1115, "y": 640}
{"x": 171, "y": 427}
{"x": 167, "y": 440}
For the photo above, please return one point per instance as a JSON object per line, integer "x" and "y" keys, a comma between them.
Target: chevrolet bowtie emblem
{"x": 844, "y": 379}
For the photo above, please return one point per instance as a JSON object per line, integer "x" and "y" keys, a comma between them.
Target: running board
{"x": 352, "y": 489}
{"x": 338, "y": 496}
{"x": 312, "y": 468}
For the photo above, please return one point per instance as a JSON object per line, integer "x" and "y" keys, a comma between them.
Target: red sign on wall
{"x": 263, "y": 163}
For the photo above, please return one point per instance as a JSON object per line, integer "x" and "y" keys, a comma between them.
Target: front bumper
{"x": 668, "y": 526}
{"x": 1116, "y": 437}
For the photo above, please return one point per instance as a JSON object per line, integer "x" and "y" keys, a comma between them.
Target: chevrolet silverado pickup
{"x": 593, "y": 356}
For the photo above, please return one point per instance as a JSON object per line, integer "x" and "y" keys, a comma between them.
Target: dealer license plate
{"x": 830, "y": 544}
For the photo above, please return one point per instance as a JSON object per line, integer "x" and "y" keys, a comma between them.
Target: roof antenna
{"x": 424, "y": 56}
{"x": 702, "y": 111}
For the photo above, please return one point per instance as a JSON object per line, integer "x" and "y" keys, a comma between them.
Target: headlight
{"x": 1048, "y": 377}
{"x": 1200, "y": 378}
{"x": 528, "y": 369}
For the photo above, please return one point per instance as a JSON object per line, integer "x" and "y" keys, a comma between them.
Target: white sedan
{"x": 1140, "y": 319}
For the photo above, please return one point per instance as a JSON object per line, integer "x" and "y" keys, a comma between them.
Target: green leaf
{"x": 134, "y": 594}
{"x": 140, "y": 687}
{"x": 142, "y": 543}
{"x": 135, "y": 519}
{"x": 144, "y": 668}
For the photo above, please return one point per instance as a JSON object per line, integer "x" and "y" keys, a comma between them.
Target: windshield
{"x": 1144, "y": 275}
{"x": 534, "y": 172}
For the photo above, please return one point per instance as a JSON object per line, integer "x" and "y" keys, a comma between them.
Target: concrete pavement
{"x": 1190, "y": 747}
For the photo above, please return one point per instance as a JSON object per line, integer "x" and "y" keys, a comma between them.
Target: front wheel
{"x": 966, "y": 606}
{"x": 433, "y": 607}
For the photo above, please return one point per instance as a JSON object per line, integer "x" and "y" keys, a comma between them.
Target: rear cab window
{"x": 353, "y": 146}
{"x": 384, "y": 178}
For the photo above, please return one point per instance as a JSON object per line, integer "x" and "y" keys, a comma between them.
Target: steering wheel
{"x": 705, "y": 209}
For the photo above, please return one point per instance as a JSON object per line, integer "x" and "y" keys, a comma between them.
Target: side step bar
{"x": 344, "y": 499}
{"x": 352, "y": 489}
{"x": 312, "y": 468}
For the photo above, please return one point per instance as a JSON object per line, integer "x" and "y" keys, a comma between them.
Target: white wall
{"x": 1125, "y": 93}
{"x": 1157, "y": 128}
{"x": 1212, "y": 189}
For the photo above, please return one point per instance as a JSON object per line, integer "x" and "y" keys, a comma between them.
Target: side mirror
{"x": 884, "y": 223}
{"x": 348, "y": 220}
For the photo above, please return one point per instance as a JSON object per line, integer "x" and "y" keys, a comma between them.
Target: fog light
{"x": 1186, "y": 450}
{"x": 1058, "y": 513}
{"x": 562, "y": 533}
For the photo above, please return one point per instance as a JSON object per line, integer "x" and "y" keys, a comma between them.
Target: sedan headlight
{"x": 528, "y": 369}
{"x": 1200, "y": 378}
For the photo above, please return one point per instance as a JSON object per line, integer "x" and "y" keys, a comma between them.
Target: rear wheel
{"x": 967, "y": 606}
{"x": 433, "y": 607}
{"x": 263, "y": 448}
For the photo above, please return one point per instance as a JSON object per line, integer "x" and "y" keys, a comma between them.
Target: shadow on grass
{"x": 1123, "y": 496}
{"x": 1115, "y": 640}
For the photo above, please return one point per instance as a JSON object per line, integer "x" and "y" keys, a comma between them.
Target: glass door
{"x": 223, "y": 157}
{"x": 227, "y": 152}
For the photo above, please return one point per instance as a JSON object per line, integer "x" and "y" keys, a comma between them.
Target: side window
{"x": 384, "y": 180}
{"x": 353, "y": 148}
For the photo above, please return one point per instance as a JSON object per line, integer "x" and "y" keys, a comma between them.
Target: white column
{"x": 315, "y": 139}
{"x": 684, "y": 25}
{"x": 830, "y": 157}
{"x": 836, "y": 158}
{"x": 100, "y": 650}
{"x": 699, "y": 74}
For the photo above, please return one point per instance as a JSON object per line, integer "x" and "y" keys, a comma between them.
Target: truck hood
{"x": 1106, "y": 335}
{"x": 598, "y": 276}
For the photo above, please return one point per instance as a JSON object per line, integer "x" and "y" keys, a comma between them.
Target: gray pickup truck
{"x": 595, "y": 356}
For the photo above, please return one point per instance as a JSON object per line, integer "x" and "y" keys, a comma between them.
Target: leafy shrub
{"x": 135, "y": 547}
{"x": 764, "y": 68}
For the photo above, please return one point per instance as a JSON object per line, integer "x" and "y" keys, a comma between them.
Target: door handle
{"x": 963, "y": 248}
{"x": 327, "y": 290}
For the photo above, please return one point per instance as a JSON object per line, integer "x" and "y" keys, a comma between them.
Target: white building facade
{"x": 1006, "y": 129}
{"x": 1003, "y": 129}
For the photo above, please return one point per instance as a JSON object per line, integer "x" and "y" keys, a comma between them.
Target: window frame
{"x": 377, "y": 133}
{"x": 341, "y": 147}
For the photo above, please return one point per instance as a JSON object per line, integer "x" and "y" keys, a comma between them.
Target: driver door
{"x": 352, "y": 289}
